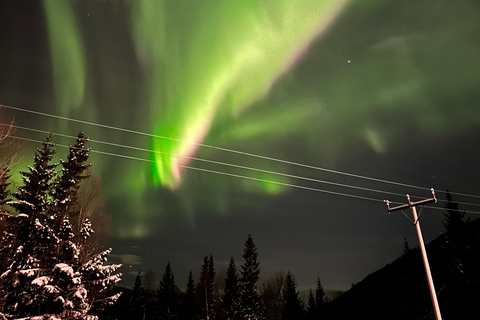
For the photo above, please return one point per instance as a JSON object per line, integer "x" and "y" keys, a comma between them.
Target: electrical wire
{"x": 218, "y": 163}
{"x": 245, "y": 177}
{"x": 229, "y": 164}
{"x": 218, "y": 172}
{"x": 231, "y": 151}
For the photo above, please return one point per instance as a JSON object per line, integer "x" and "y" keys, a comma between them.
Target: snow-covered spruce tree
{"x": 250, "y": 307}
{"x": 231, "y": 296}
{"x": 28, "y": 247}
{"x": 27, "y": 240}
{"x": 61, "y": 285}
{"x": 67, "y": 183}
{"x": 47, "y": 274}
{"x": 167, "y": 295}
{"x": 32, "y": 197}
{"x": 137, "y": 299}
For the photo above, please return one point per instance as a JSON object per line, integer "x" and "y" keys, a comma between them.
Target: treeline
{"x": 238, "y": 295}
{"x": 50, "y": 265}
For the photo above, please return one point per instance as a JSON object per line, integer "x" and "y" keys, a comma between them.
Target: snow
{"x": 81, "y": 293}
{"x": 41, "y": 281}
{"x": 65, "y": 268}
{"x": 30, "y": 272}
{"x": 51, "y": 289}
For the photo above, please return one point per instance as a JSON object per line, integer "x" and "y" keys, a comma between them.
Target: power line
{"x": 218, "y": 163}
{"x": 219, "y": 172}
{"x": 229, "y": 164}
{"x": 231, "y": 151}
{"x": 246, "y": 177}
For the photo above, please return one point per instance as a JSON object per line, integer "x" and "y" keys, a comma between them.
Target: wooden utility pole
{"x": 416, "y": 222}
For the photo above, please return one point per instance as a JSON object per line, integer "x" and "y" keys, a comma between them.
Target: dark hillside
{"x": 400, "y": 290}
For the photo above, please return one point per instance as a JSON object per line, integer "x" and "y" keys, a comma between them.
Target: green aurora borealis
{"x": 306, "y": 81}
{"x": 205, "y": 63}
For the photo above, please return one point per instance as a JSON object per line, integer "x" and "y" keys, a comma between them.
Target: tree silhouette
{"x": 320, "y": 297}
{"x": 293, "y": 309}
{"x": 312, "y": 311}
{"x": 167, "y": 296}
{"x": 204, "y": 290}
{"x": 188, "y": 309}
{"x": 137, "y": 299}
{"x": 250, "y": 270}
{"x": 454, "y": 218}
{"x": 231, "y": 296}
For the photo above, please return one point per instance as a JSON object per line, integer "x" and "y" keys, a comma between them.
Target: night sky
{"x": 384, "y": 89}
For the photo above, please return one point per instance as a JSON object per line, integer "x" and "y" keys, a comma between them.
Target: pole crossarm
{"x": 411, "y": 204}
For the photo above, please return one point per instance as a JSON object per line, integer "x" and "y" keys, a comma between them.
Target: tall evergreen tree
{"x": 204, "y": 291}
{"x": 41, "y": 282}
{"x": 67, "y": 184}
{"x": 454, "y": 218}
{"x": 167, "y": 295}
{"x": 312, "y": 312}
{"x": 32, "y": 197}
{"x": 28, "y": 248}
{"x": 293, "y": 308}
{"x": 137, "y": 299}
{"x": 250, "y": 270}
{"x": 320, "y": 297}
{"x": 47, "y": 274}
{"x": 188, "y": 309}
{"x": 231, "y": 296}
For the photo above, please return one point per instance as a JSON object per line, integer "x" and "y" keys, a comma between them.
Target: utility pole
{"x": 416, "y": 222}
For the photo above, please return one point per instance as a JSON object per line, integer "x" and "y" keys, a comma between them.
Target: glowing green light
{"x": 67, "y": 55}
{"x": 217, "y": 57}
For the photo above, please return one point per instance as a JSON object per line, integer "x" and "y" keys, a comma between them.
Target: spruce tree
{"x": 454, "y": 218}
{"x": 67, "y": 184}
{"x": 167, "y": 296}
{"x": 312, "y": 312}
{"x": 293, "y": 309}
{"x": 214, "y": 298}
{"x": 32, "y": 197}
{"x": 47, "y": 273}
{"x": 29, "y": 248}
{"x": 250, "y": 270}
{"x": 231, "y": 296}
{"x": 188, "y": 309}
{"x": 320, "y": 297}
{"x": 137, "y": 299}
{"x": 204, "y": 290}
